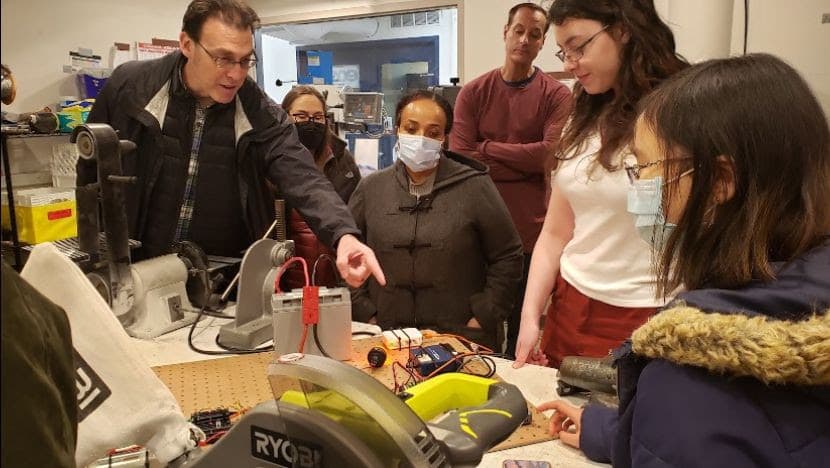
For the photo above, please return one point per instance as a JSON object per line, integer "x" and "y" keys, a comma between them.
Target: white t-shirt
{"x": 606, "y": 259}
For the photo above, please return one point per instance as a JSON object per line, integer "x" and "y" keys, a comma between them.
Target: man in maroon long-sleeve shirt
{"x": 510, "y": 118}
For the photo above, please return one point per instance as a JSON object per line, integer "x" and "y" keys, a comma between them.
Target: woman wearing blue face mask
{"x": 736, "y": 371}
{"x": 645, "y": 203}
{"x": 442, "y": 233}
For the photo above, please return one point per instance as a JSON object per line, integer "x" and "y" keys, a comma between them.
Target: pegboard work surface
{"x": 240, "y": 382}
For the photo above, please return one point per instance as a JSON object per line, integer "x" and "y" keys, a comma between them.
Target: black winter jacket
{"x": 258, "y": 143}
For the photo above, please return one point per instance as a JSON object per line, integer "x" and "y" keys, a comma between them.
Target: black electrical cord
{"x": 364, "y": 333}
{"x": 317, "y": 341}
{"x": 227, "y": 350}
{"x": 489, "y": 362}
{"x": 746, "y": 23}
{"x": 232, "y": 350}
{"x": 216, "y": 314}
{"x": 316, "y": 262}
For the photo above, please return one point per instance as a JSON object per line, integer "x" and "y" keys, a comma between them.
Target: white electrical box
{"x": 334, "y": 329}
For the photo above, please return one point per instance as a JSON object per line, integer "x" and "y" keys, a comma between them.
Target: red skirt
{"x": 577, "y": 325}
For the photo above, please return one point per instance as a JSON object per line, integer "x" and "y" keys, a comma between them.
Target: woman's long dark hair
{"x": 756, "y": 113}
{"x": 647, "y": 59}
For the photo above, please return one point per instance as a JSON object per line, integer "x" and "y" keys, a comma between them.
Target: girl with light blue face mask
{"x": 645, "y": 202}
{"x": 732, "y": 364}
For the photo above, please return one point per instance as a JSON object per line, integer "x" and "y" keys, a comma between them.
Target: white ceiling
{"x": 324, "y": 32}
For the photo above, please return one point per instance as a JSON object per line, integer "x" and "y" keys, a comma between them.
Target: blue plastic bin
{"x": 92, "y": 80}
{"x": 92, "y": 85}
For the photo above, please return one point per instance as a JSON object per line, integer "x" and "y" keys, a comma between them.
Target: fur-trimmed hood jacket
{"x": 728, "y": 378}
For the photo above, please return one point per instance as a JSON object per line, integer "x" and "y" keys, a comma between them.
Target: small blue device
{"x": 425, "y": 359}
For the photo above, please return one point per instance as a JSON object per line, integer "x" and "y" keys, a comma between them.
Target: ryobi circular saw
{"x": 329, "y": 414}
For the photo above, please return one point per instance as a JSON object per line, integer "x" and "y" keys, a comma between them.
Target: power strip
{"x": 402, "y": 338}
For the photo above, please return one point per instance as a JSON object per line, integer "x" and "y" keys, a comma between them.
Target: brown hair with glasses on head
{"x": 647, "y": 59}
{"x": 750, "y": 122}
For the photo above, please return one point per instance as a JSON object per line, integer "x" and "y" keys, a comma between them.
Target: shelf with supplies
{"x": 36, "y": 165}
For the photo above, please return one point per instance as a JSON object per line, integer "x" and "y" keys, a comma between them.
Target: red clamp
{"x": 311, "y": 305}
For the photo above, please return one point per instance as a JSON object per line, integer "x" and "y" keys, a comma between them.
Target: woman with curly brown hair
{"x": 589, "y": 254}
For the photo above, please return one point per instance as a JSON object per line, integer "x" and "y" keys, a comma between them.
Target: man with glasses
{"x": 510, "y": 119}
{"x": 208, "y": 141}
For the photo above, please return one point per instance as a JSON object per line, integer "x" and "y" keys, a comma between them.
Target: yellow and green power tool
{"x": 329, "y": 414}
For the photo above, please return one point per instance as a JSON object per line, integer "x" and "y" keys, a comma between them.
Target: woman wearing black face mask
{"x": 307, "y": 107}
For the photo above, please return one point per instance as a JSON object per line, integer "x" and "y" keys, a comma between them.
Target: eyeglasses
{"x": 633, "y": 169}
{"x": 224, "y": 62}
{"x": 576, "y": 53}
{"x": 303, "y": 117}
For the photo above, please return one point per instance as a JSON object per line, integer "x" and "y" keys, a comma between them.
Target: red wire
{"x": 402, "y": 386}
{"x": 212, "y": 438}
{"x": 123, "y": 450}
{"x": 285, "y": 266}
{"x": 302, "y": 338}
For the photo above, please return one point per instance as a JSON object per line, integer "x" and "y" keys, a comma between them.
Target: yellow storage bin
{"x": 43, "y": 214}
{"x": 70, "y": 118}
